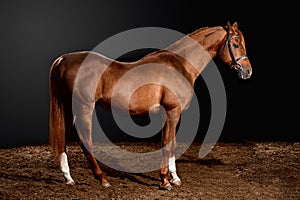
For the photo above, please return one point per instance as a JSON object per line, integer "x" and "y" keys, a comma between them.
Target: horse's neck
{"x": 199, "y": 47}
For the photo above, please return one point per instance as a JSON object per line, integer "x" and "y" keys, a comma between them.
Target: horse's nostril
{"x": 248, "y": 71}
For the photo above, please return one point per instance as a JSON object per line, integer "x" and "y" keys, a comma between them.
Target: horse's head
{"x": 233, "y": 51}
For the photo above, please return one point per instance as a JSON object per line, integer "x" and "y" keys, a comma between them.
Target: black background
{"x": 34, "y": 33}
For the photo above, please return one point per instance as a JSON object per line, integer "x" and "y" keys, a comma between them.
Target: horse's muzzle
{"x": 244, "y": 72}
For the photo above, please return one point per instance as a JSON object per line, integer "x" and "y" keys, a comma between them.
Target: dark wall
{"x": 34, "y": 33}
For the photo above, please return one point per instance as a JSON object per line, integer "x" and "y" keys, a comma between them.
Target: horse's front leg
{"x": 84, "y": 129}
{"x": 172, "y": 169}
{"x": 169, "y": 145}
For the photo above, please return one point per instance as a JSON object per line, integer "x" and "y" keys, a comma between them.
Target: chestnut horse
{"x": 225, "y": 42}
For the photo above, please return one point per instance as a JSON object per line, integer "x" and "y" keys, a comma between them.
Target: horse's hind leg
{"x": 84, "y": 129}
{"x": 169, "y": 142}
{"x": 94, "y": 165}
{"x": 63, "y": 159}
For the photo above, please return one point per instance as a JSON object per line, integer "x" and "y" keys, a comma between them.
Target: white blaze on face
{"x": 63, "y": 159}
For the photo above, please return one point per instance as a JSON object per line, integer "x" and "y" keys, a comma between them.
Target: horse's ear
{"x": 228, "y": 25}
{"x": 232, "y": 28}
{"x": 229, "y": 28}
{"x": 235, "y": 25}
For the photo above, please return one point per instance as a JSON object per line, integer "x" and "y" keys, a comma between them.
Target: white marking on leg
{"x": 63, "y": 159}
{"x": 172, "y": 169}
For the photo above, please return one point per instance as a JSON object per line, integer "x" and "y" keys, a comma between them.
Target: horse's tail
{"x": 56, "y": 119}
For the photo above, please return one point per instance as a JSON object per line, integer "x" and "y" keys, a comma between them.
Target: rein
{"x": 235, "y": 61}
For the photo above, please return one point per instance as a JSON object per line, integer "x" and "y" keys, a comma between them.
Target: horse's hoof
{"x": 176, "y": 182}
{"x": 166, "y": 187}
{"x": 106, "y": 185}
{"x": 70, "y": 182}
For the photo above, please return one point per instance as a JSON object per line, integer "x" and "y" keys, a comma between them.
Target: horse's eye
{"x": 236, "y": 46}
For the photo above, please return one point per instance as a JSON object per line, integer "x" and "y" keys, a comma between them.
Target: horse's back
{"x": 136, "y": 86}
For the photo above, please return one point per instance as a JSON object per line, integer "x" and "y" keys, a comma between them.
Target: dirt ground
{"x": 269, "y": 170}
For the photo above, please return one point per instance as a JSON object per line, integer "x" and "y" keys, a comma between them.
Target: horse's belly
{"x": 145, "y": 99}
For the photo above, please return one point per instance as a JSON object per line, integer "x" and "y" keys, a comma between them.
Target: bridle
{"x": 235, "y": 61}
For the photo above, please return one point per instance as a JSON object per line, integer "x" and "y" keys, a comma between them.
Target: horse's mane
{"x": 197, "y": 35}
{"x": 203, "y": 32}
{"x": 198, "y": 31}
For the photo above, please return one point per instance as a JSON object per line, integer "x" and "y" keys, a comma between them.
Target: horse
{"x": 224, "y": 42}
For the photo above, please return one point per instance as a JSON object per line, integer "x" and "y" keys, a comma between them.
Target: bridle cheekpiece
{"x": 235, "y": 61}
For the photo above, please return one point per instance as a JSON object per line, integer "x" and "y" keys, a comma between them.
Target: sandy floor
{"x": 230, "y": 171}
